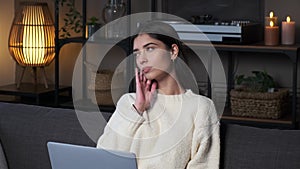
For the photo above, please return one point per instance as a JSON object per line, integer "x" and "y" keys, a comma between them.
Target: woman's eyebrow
{"x": 146, "y": 45}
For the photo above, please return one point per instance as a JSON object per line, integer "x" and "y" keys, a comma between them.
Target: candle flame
{"x": 271, "y": 23}
{"x": 288, "y": 19}
{"x": 271, "y": 14}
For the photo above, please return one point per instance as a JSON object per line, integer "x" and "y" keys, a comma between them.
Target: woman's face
{"x": 153, "y": 58}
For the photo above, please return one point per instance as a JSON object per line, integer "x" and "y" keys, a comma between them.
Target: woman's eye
{"x": 150, "y": 49}
{"x": 136, "y": 54}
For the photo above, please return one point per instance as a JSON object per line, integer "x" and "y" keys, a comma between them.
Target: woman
{"x": 166, "y": 125}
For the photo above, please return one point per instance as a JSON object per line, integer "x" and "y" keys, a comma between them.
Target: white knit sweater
{"x": 177, "y": 132}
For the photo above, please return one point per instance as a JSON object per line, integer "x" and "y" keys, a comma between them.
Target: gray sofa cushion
{"x": 253, "y": 148}
{"x": 25, "y": 131}
{"x": 3, "y": 164}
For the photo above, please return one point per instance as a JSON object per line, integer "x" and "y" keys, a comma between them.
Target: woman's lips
{"x": 147, "y": 69}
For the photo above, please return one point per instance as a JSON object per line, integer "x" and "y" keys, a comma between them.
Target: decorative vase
{"x": 113, "y": 10}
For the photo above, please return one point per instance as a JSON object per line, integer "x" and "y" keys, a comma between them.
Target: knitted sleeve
{"x": 205, "y": 152}
{"x": 122, "y": 126}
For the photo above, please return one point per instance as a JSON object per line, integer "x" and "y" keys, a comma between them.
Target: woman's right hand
{"x": 145, "y": 90}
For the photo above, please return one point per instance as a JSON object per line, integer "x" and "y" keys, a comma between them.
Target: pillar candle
{"x": 271, "y": 35}
{"x": 288, "y": 32}
{"x": 271, "y": 18}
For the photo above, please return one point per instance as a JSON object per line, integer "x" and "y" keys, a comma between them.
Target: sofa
{"x": 26, "y": 129}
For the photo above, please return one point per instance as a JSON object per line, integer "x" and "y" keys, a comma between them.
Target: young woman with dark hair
{"x": 165, "y": 124}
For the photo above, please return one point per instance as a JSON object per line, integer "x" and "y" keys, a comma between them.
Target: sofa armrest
{"x": 3, "y": 164}
{"x": 26, "y": 129}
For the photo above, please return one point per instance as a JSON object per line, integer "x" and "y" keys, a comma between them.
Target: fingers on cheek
{"x": 149, "y": 82}
{"x": 147, "y": 85}
{"x": 141, "y": 76}
{"x": 154, "y": 85}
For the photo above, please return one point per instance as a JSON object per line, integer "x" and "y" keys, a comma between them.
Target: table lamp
{"x": 32, "y": 39}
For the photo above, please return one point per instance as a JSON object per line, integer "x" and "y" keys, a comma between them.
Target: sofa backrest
{"x": 26, "y": 129}
{"x": 252, "y": 148}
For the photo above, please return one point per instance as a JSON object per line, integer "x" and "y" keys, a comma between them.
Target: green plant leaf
{"x": 72, "y": 19}
{"x": 260, "y": 82}
{"x": 239, "y": 79}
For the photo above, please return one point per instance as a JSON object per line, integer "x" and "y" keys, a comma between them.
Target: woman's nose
{"x": 142, "y": 58}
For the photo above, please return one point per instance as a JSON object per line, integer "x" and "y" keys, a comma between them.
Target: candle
{"x": 288, "y": 32}
{"x": 271, "y": 34}
{"x": 272, "y": 18}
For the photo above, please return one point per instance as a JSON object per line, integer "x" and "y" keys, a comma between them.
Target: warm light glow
{"x": 271, "y": 14}
{"x": 271, "y": 23}
{"x": 288, "y": 19}
{"x": 34, "y": 37}
{"x": 31, "y": 40}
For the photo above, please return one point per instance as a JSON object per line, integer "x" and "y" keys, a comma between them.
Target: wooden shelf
{"x": 31, "y": 91}
{"x": 104, "y": 40}
{"x": 284, "y": 122}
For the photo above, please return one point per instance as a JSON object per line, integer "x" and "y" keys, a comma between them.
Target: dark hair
{"x": 162, "y": 32}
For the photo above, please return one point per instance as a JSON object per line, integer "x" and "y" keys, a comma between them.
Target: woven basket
{"x": 103, "y": 97}
{"x": 102, "y": 87}
{"x": 102, "y": 79}
{"x": 259, "y": 105}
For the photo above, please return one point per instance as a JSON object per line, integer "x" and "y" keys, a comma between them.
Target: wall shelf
{"x": 59, "y": 43}
{"x": 291, "y": 51}
{"x": 82, "y": 39}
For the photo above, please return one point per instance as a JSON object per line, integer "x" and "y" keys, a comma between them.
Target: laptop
{"x": 69, "y": 156}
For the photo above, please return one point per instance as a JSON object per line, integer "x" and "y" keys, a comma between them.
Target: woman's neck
{"x": 170, "y": 86}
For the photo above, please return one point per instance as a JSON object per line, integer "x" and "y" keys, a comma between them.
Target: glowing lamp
{"x": 31, "y": 40}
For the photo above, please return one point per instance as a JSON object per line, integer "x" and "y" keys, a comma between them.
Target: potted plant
{"x": 260, "y": 82}
{"x": 257, "y": 97}
{"x": 92, "y": 26}
{"x": 72, "y": 19}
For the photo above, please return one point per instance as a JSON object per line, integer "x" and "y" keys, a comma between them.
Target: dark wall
{"x": 221, "y": 10}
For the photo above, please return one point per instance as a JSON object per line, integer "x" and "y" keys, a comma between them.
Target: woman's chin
{"x": 149, "y": 76}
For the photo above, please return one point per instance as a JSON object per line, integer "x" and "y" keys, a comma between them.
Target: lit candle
{"x": 288, "y": 31}
{"x": 271, "y": 34}
{"x": 272, "y": 18}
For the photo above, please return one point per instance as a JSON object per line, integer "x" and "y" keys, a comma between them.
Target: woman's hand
{"x": 145, "y": 90}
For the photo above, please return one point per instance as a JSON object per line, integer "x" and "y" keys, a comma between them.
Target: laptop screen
{"x": 69, "y": 156}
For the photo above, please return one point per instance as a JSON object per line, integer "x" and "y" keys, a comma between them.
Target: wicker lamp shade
{"x": 31, "y": 39}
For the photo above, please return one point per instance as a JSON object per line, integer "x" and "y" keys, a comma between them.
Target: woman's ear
{"x": 174, "y": 51}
